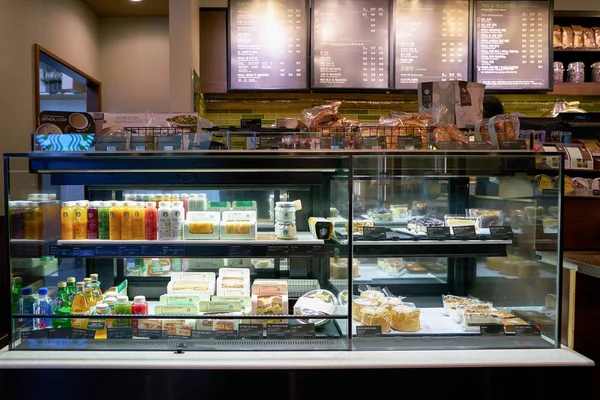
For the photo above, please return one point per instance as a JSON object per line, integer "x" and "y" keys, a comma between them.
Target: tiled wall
{"x": 227, "y": 109}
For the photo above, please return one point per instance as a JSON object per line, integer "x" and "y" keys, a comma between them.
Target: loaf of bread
{"x": 406, "y": 319}
{"x": 376, "y": 316}
{"x": 359, "y": 304}
{"x": 376, "y": 295}
{"x": 391, "y": 302}
{"x": 202, "y": 227}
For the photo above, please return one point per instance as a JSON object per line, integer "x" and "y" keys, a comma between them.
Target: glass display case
{"x": 283, "y": 250}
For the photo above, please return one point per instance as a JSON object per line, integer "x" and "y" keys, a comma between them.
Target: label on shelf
{"x": 478, "y": 145}
{"x": 278, "y": 331}
{"x": 151, "y": 333}
{"x": 374, "y": 233}
{"x": 106, "y": 251}
{"x": 303, "y": 331}
{"x": 200, "y": 334}
{"x": 83, "y": 333}
{"x": 131, "y": 251}
{"x": 278, "y": 250}
{"x": 501, "y": 232}
{"x": 240, "y": 251}
{"x": 368, "y": 331}
{"x": 527, "y": 330}
{"x": 438, "y": 232}
{"x": 406, "y": 143}
{"x": 492, "y": 330}
{"x": 250, "y": 331}
{"x": 82, "y": 251}
{"x": 518, "y": 144}
{"x": 124, "y": 332}
{"x": 449, "y": 145}
{"x": 60, "y": 333}
{"x": 465, "y": 232}
{"x": 226, "y": 334}
{"x": 36, "y": 334}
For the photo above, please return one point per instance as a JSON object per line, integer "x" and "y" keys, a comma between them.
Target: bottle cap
{"x": 26, "y": 291}
{"x": 110, "y": 300}
{"x": 184, "y": 196}
{"x": 80, "y": 284}
{"x": 22, "y": 203}
{"x": 94, "y": 276}
{"x": 165, "y": 204}
{"x": 71, "y": 279}
{"x": 177, "y": 204}
{"x": 140, "y": 204}
{"x": 139, "y": 299}
{"x": 43, "y": 291}
{"x": 17, "y": 279}
{"x": 102, "y": 307}
{"x": 122, "y": 299}
{"x": 62, "y": 284}
{"x": 87, "y": 280}
{"x": 111, "y": 294}
{"x": 193, "y": 195}
{"x": 175, "y": 196}
{"x": 150, "y": 204}
{"x": 129, "y": 203}
{"x": 95, "y": 203}
{"x": 82, "y": 203}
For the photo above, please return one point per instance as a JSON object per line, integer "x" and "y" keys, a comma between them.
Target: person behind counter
{"x": 492, "y": 106}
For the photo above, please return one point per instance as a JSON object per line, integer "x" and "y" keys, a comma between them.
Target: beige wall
{"x": 134, "y": 60}
{"x": 577, "y": 5}
{"x": 68, "y": 28}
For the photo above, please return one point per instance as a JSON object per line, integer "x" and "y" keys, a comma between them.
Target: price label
{"x": 198, "y": 334}
{"x": 368, "y": 331}
{"x": 478, "y": 145}
{"x": 60, "y": 333}
{"x": 492, "y": 330}
{"x": 240, "y": 251}
{"x": 278, "y": 331}
{"x": 449, "y": 145}
{"x": 150, "y": 333}
{"x": 374, "y": 233}
{"x": 527, "y": 330}
{"x": 438, "y": 232}
{"x": 251, "y": 331}
{"x": 501, "y": 232}
{"x": 36, "y": 334}
{"x": 518, "y": 144}
{"x": 406, "y": 143}
{"x": 226, "y": 335}
{"x": 83, "y": 333}
{"x": 278, "y": 251}
{"x": 465, "y": 232}
{"x": 124, "y": 332}
{"x": 303, "y": 331}
{"x": 140, "y": 148}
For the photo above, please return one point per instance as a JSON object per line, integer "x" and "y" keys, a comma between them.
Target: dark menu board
{"x": 268, "y": 44}
{"x": 432, "y": 41}
{"x": 512, "y": 44}
{"x": 350, "y": 45}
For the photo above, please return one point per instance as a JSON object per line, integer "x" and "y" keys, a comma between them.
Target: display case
{"x": 283, "y": 250}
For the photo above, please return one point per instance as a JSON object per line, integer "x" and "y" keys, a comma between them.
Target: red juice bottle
{"x": 92, "y": 223}
{"x": 139, "y": 307}
{"x": 151, "y": 221}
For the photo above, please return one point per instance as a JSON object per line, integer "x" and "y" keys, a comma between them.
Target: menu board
{"x": 512, "y": 44}
{"x": 350, "y": 45}
{"x": 432, "y": 41}
{"x": 268, "y": 44}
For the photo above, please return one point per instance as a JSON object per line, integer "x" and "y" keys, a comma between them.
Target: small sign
{"x": 527, "y": 330}
{"x": 550, "y": 192}
{"x": 109, "y": 250}
{"x": 199, "y": 334}
{"x": 478, "y": 145}
{"x": 518, "y": 144}
{"x": 438, "y": 232}
{"x": 278, "y": 331}
{"x": 150, "y": 333}
{"x": 406, "y": 143}
{"x": 240, "y": 251}
{"x": 140, "y": 148}
{"x": 596, "y": 192}
{"x": 303, "y": 331}
{"x": 111, "y": 148}
{"x": 124, "y": 332}
{"x": 82, "y": 251}
{"x": 60, "y": 333}
{"x": 251, "y": 331}
{"x": 131, "y": 251}
{"x": 168, "y": 148}
{"x": 36, "y": 334}
{"x": 449, "y": 145}
{"x": 501, "y": 232}
{"x": 60, "y": 251}
{"x": 226, "y": 335}
{"x": 83, "y": 333}
{"x": 492, "y": 330}
{"x": 465, "y": 232}
{"x": 368, "y": 331}
{"x": 278, "y": 250}
{"x": 374, "y": 233}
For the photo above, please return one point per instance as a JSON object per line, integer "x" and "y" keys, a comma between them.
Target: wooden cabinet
{"x": 213, "y": 50}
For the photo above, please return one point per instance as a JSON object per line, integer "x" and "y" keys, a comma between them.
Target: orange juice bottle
{"x": 127, "y": 220}
{"x": 80, "y": 307}
{"x": 32, "y": 222}
{"x": 67, "y": 219}
{"x": 115, "y": 214}
{"x": 81, "y": 220}
{"x": 139, "y": 221}
{"x": 89, "y": 294}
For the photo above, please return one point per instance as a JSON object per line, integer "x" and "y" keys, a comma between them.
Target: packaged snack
{"x": 314, "y": 303}
{"x": 503, "y": 127}
{"x": 233, "y": 282}
{"x": 577, "y": 36}
{"x": 391, "y": 302}
{"x": 406, "y": 318}
{"x": 451, "y": 302}
{"x": 596, "y": 30}
{"x": 463, "y": 100}
{"x": 589, "y": 39}
{"x": 194, "y": 283}
{"x": 556, "y": 38}
{"x": 358, "y": 304}
{"x": 487, "y": 217}
{"x": 372, "y": 293}
{"x": 567, "y": 37}
{"x": 474, "y": 319}
{"x": 376, "y": 316}
{"x": 458, "y": 315}
{"x": 338, "y": 268}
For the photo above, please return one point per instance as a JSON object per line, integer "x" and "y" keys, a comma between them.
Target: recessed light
{"x": 135, "y": 1}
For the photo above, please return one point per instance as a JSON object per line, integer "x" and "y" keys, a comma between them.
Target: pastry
{"x": 359, "y": 304}
{"x": 373, "y": 294}
{"x": 406, "y": 319}
{"x": 358, "y": 225}
{"x": 461, "y": 309}
{"x": 381, "y": 214}
{"x": 589, "y": 40}
{"x": 196, "y": 286}
{"x": 458, "y": 221}
{"x": 477, "y": 318}
{"x": 269, "y": 305}
{"x": 451, "y": 301}
{"x": 415, "y": 268}
{"x": 338, "y": 268}
{"x": 505, "y": 314}
{"x": 376, "y": 316}
{"x": 237, "y": 227}
{"x": 392, "y": 266}
{"x": 509, "y": 267}
{"x": 556, "y": 38}
{"x": 577, "y": 36}
{"x": 202, "y": 227}
{"x": 510, "y": 323}
{"x": 421, "y": 224}
{"x": 494, "y": 263}
{"x": 528, "y": 270}
{"x": 333, "y": 212}
{"x": 232, "y": 282}
{"x": 391, "y": 302}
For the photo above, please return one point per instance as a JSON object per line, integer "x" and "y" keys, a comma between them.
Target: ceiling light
{"x": 135, "y": 1}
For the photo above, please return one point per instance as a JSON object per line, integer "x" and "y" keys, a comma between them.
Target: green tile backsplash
{"x": 227, "y": 109}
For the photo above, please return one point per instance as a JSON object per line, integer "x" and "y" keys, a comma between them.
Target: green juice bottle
{"x": 62, "y": 306}
{"x": 103, "y": 220}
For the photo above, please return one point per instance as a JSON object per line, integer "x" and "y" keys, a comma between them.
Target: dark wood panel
{"x": 581, "y": 230}
{"x": 213, "y": 50}
{"x": 4, "y": 287}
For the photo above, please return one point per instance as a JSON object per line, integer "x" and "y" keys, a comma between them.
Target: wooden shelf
{"x": 576, "y": 89}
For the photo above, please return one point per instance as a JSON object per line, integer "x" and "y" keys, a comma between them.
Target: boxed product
{"x": 233, "y": 282}
{"x": 321, "y": 228}
{"x": 463, "y": 101}
{"x": 178, "y": 327}
{"x": 238, "y": 225}
{"x": 182, "y": 299}
{"x": 176, "y": 310}
{"x": 270, "y": 298}
{"x": 197, "y": 283}
{"x": 201, "y": 225}
{"x": 244, "y": 205}
{"x": 238, "y": 263}
{"x": 205, "y": 263}
{"x": 219, "y": 206}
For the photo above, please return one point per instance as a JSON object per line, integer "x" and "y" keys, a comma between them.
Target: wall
{"x": 68, "y": 28}
{"x": 135, "y": 64}
{"x": 577, "y": 5}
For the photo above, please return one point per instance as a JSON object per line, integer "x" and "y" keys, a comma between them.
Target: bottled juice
{"x": 176, "y": 215}
{"x": 92, "y": 220}
{"x": 103, "y": 220}
{"x": 17, "y": 219}
{"x": 89, "y": 295}
{"x": 81, "y": 220}
{"x": 138, "y": 221}
{"x": 115, "y": 215}
{"x": 139, "y": 307}
{"x": 96, "y": 288}
{"x": 16, "y": 294}
{"x": 122, "y": 307}
{"x": 62, "y": 306}
{"x": 31, "y": 221}
{"x": 71, "y": 289}
{"x": 80, "y": 307}
{"x": 150, "y": 221}
{"x": 127, "y": 221}
{"x": 185, "y": 198}
{"x": 164, "y": 220}
{"x": 67, "y": 221}
{"x": 99, "y": 325}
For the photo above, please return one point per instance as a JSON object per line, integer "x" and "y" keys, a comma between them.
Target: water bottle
{"x": 42, "y": 306}
{"x": 26, "y": 307}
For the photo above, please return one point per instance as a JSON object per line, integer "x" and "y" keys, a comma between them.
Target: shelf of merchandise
{"x": 576, "y": 89}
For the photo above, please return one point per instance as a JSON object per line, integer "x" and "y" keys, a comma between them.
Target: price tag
{"x": 406, "y": 143}
{"x": 36, "y": 334}
{"x": 550, "y": 192}
{"x": 492, "y": 330}
{"x": 170, "y": 251}
{"x": 150, "y": 333}
{"x": 465, "y": 232}
{"x": 251, "y": 331}
{"x": 124, "y": 332}
{"x": 278, "y": 251}
{"x": 438, "y": 232}
{"x": 226, "y": 335}
{"x": 518, "y": 144}
{"x": 374, "y": 233}
{"x": 450, "y": 145}
{"x": 478, "y": 145}
{"x": 106, "y": 250}
{"x": 60, "y": 251}
{"x": 60, "y": 333}
{"x": 83, "y": 251}
{"x": 168, "y": 148}
{"x": 131, "y": 251}
{"x": 240, "y": 251}
{"x": 303, "y": 331}
{"x": 111, "y": 148}
{"x": 596, "y": 192}
{"x": 83, "y": 333}
{"x": 278, "y": 331}
{"x": 140, "y": 148}
{"x": 527, "y": 330}
{"x": 368, "y": 331}
{"x": 198, "y": 334}
{"x": 501, "y": 232}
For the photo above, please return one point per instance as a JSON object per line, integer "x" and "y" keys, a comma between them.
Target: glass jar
{"x": 576, "y": 72}
{"x": 285, "y": 211}
{"x": 596, "y": 72}
{"x": 285, "y": 230}
{"x": 559, "y": 72}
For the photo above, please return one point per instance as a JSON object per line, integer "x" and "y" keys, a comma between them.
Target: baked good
{"x": 406, "y": 319}
{"x": 392, "y": 266}
{"x": 494, "y": 263}
{"x": 391, "y": 302}
{"x": 510, "y": 323}
{"x": 359, "y": 304}
{"x": 269, "y": 305}
{"x": 333, "y": 212}
{"x": 461, "y": 309}
{"x": 382, "y": 214}
{"x": 589, "y": 39}
{"x": 373, "y": 294}
{"x": 421, "y": 224}
{"x": 505, "y": 314}
{"x": 171, "y": 326}
{"x": 358, "y": 225}
{"x": 415, "y": 268}
{"x": 232, "y": 282}
{"x": 458, "y": 221}
{"x": 528, "y": 270}
{"x": 567, "y": 37}
{"x": 556, "y": 37}
{"x": 196, "y": 286}
{"x": 487, "y": 217}
{"x": 596, "y": 30}
{"x": 477, "y": 318}
{"x": 202, "y": 227}
{"x": 338, "y": 268}
{"x": 237, "y": 227}
{"x": 509, "y": 267}
{"x": 451, "y": 302}
{"x": 224, "y": 325}
{"x": 376, "y": 316}
{"x": 577, "y": 36}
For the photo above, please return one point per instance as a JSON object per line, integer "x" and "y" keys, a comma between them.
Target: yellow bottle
{"x": 81, "y": 220}
{"x": 127, "y": 221}
{"x": 96, "y": 288}
{"x": 31, "y": 220}
{"x": 99, "y": 325}
{"x": 115, "y": 214}
{"x": 67, "y": 217}
{"x": 139, "y": 221}
{"x": 89, "y": 294}
{"x": 80, "y": 307}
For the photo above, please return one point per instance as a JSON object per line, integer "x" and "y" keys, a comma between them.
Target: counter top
{"x": 586, "y": 262}
{"x": 562, "y": 357}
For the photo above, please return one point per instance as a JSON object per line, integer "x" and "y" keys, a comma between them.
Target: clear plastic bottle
{"x": 80, "y": 307}
{"x": 115, "y": 215}
{"x": 104, "y": 220}
{"x": 177, "y": 218}
{"x": 42, "y": 306}
{"x": 67, "y": 221}
{"x": 123, "y": 307}
{"x": 127, "y": 220}
{"x": 81, "y": 220}
{"x": 26, "y": 307}
{"x": 62, "y": 306}
{"x": 139, "y": 221}
{"x": 16, "y": 292}
{"x": 93, "y": 220}
{"x": 186, "y": 199}
{"x": 164, "y": 220}
{"x": 151, "y": 221}
{"x": 139, "y": 307}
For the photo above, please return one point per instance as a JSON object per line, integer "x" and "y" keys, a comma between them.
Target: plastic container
{"x": 80, "y": 306}
{"x": 285, "y": 230}
{"x": 576, "y": 72}
{"x": 93, "y": 220}
{"x": 139, "y": 307}
{"x": 285, "y": 211}
{"x": 558, "y": 72}
{"x": 99, "y": 325}
{"x": 596, "y": 72}
{"x": 127, "y": 220}
{"x": 32, "y": 209}
{"x": 42, "y": 306}
{"x": 123, "y": 306}
{"x": 26, "y": 307}
{"x": 151, "y": 221}
{"x": 176, "y": 215}
{"x": 139, "y": 216}
{"x": 115, "y": 216}
{"x": 103, "y": 220}
{"x": 80, "y": 220}
{"x": 164, "y": 220}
